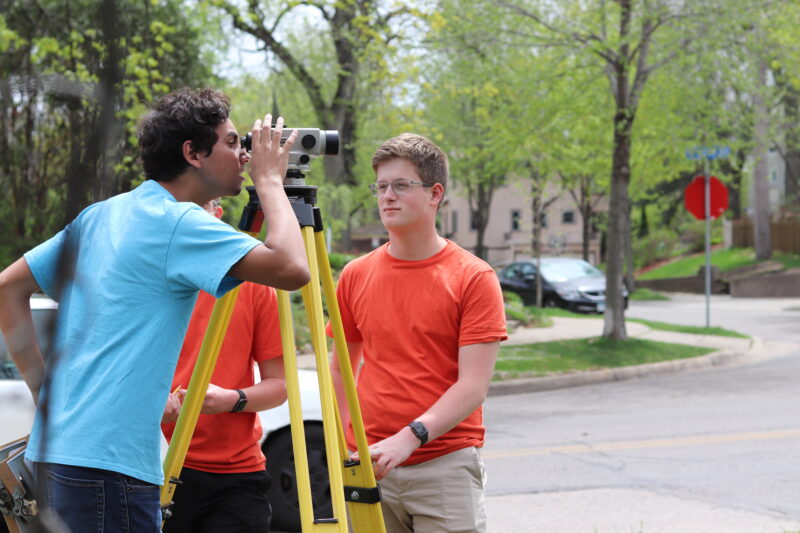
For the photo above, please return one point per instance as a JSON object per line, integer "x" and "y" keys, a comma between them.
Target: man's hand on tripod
{"x": 391, "y": 452}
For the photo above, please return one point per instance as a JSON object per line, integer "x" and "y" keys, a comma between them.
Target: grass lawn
{"x": 585, "y": 354}
{"x": 696, "y": 330}
{"x": 647, "y": 294}
{"x": 726, "y": 259}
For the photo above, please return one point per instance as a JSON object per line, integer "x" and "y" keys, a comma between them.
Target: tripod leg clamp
{"x": 362, "y": 494}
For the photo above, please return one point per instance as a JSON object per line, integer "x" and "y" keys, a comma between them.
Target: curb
{"x": 607, "y": 375}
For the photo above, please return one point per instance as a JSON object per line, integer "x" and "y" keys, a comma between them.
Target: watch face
{"x": 419, "y": 430}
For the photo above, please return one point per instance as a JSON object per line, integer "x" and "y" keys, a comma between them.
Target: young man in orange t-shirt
{"x": 426, "y": 317}
{"x": 224, "y": 478}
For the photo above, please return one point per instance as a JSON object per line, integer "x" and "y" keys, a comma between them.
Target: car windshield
{"x": 41, "y": 322}
{"x": 565, "y": 270}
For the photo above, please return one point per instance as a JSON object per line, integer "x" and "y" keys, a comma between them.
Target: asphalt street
{"x": 714, "y": 449}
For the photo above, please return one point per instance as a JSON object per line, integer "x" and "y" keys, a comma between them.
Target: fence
{"x": 785, "y": 235}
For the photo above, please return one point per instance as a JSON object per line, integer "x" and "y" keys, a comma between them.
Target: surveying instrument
{"x": 352, "y": 482}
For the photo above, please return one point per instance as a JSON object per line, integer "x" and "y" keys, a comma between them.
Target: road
{"x": 714, "y": 450}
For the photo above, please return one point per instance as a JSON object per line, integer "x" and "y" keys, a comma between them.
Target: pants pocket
{"x": 144, "y": 505}
{"x": 78, "y": 502}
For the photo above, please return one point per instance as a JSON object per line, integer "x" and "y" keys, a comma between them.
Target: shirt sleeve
{"x": 43, "y": 261}
{"x": 202, "y": 250}
{"x": 483, "y": 316}
{"x": 351, "y": 332}
{"x": 267, "y": 330}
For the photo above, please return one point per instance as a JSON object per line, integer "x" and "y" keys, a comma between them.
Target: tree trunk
{"x": 630, "y": 281}
{"x": 644, "y": 227}
{"x": 536, "y": 244}
{"x": 481, "y": 215}
{"x": 761, "y": 211}
{"x": 614, "y": 318}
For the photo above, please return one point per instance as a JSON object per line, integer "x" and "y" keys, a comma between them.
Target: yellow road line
{"x": 645, "y": 444}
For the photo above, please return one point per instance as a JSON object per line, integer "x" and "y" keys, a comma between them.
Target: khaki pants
{"x": 441, "y": 495}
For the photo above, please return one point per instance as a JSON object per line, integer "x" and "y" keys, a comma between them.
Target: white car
{"x": 16, "y": 402}
{"x": 17, "y": 411}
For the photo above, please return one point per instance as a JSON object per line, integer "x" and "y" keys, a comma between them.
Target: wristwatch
{"x": 240, "y": 403}
{"x": 418, "y": 428}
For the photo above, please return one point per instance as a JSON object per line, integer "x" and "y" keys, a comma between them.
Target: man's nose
{"x": 390, "y": 193}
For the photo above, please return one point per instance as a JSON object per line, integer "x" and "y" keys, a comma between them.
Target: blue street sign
{"x": 706, "y": 152}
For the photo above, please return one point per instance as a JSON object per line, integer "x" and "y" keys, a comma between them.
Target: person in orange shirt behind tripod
{"x": 224, "y": 477}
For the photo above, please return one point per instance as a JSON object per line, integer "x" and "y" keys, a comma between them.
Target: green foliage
{"x": 694, "y": 330}
{"x": 657, "y": 246}
{"x": 585, "y": 354}
{"x": 647, "y": 294}
{"x": 517, "y": 314}
{"x": 725, "y": 259}
{"x": 339, "y": 260}
{"x": 61, "y": 148}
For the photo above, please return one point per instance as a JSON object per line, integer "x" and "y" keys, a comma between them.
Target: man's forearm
{"x": 456, "y": 404}
{"x": 17, "y": 284}
{"x": 476, "y": 365}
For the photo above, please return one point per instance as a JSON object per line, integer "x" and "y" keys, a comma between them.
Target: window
{"x": 528, "y": 270}
{"x": 512, "y": 272}
{"x": 454, "y": 221}
{"x": 473, "y": 221}
{"x": 568, "y": 217}
{"x": 516, "y": 215}
{"x": 542, "y": 220}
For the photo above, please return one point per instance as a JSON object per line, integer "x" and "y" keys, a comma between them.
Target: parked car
{"x": 17, "y": 410}
{"x": 567, "y": 282}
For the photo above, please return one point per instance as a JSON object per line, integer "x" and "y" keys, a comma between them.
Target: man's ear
{"x": 437, "y": 194}
{"x": 190, "y": 154}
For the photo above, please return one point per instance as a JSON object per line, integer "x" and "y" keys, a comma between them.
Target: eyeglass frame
{"x": 390, "y": 185}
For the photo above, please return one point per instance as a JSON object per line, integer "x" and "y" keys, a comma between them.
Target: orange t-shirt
{"x": 412, "y": 317}
{"x": 229, "y": 442}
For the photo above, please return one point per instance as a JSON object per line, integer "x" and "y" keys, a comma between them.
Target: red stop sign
{"x": 695, "y": 197}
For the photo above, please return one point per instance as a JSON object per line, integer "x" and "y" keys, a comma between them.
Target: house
{"x": 509, "y": 233}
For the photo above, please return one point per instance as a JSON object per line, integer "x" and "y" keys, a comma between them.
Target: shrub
{"x": 658, "y": 245}
{"x": 338, "y": 260}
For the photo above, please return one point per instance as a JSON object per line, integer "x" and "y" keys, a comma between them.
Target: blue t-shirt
{"x": 138, "y": 259}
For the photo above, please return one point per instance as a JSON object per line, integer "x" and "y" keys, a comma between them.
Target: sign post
{"x": 714, "y": 202}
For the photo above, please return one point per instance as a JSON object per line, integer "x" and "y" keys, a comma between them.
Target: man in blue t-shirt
{"x": 134, "y": 264}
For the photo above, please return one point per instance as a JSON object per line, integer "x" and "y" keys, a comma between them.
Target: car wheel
{"x": 282, "y": 493}
{"x": 550, "y": 302}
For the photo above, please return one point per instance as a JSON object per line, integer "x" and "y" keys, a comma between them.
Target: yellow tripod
{"x": 351, "y": 482}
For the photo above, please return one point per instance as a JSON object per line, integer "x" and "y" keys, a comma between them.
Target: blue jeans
{"x": 92, "y": 500}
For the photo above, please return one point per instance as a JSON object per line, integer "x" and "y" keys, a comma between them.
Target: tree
{"x": 75, "y": 78}
{"x": 354, "y": 39}
{"x": 622, "y": 36}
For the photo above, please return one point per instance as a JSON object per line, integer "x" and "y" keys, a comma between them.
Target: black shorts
{"x": 220, "y": 503}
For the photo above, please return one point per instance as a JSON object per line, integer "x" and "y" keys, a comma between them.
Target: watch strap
{"x": 240, "y": 403}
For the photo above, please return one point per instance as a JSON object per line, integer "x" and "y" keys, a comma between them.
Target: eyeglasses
{"x": 400, "y": 187}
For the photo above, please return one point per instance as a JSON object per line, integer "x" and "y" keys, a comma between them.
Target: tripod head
{"x": 310, "y": 143}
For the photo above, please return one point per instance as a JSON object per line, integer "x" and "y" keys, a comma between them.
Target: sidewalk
{"x": 727, "y": 350}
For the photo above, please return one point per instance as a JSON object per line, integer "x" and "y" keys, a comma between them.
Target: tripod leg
{"x": 195, "y": 393}
{"x": 312, "y": 299}
{"x": 302, "y": 476}
{"x": 362, "y": 492}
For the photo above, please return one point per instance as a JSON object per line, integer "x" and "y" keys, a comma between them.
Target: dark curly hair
{"x": 185, "y": 115}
